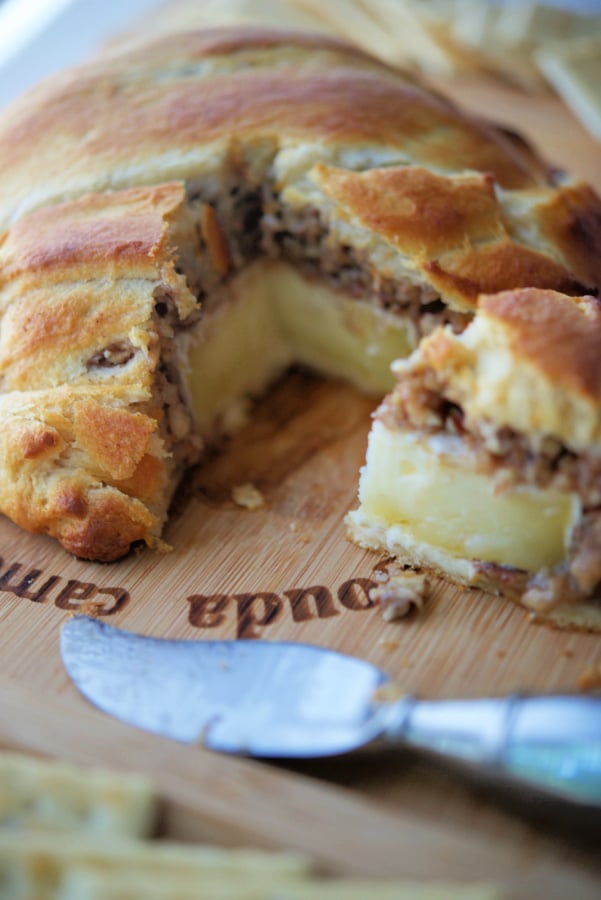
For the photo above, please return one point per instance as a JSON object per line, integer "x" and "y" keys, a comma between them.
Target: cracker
{"x": 36, "y": 793}
{"x": 48, "y": 866}
{"x": 574, "y": 69}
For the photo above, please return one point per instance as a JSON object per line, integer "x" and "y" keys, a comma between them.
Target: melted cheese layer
{"x": 275, "y": 317}
{"x": 426, "y": 489}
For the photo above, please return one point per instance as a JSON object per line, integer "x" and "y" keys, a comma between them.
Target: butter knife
{"x": 287, "y": 700}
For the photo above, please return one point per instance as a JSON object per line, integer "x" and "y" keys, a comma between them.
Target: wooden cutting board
{"x": 286, "y": 572}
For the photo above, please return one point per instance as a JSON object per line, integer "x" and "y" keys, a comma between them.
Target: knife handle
{"x": 553, "y": 743}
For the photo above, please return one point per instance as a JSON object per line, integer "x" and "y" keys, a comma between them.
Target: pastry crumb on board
{"x": 248, "y": 496}
{"x": 590, "y": 679}
{"x": 399, "y": 591}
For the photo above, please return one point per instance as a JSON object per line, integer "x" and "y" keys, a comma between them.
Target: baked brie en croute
{"x": 186, "y": 219}
{"x": 484, "y": 462}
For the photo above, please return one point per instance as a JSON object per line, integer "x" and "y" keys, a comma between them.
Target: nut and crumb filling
{"x": 494, "y": 507}
{"x": 232, "y": 227}
{"x": 274, "y": 288}
{"x": 419, "y": 402}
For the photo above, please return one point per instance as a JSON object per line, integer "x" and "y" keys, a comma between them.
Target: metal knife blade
{"x": 250, "y": 697}
{"x": 296, "y": 701}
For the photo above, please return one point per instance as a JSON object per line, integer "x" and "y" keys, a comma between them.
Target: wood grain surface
{"x": 286, "y": 571}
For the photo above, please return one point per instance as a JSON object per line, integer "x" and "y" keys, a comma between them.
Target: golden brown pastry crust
{"x": 81, "y": 452}
{"x": 529, "y": 361}
{"x": 171, "y": 109}
{"x": 452, "y": 229}
{"x": 560, "y": 336}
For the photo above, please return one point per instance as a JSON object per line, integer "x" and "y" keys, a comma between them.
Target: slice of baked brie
{"x": 484, "y": 463}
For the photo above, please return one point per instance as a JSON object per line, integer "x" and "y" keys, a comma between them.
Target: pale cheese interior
{"x": 427, "y": 488}
{"x": 273, "y": 317}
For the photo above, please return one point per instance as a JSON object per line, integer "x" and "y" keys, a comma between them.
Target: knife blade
{"x": 286, "y": 700}
{"x": 252, "y": 697}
